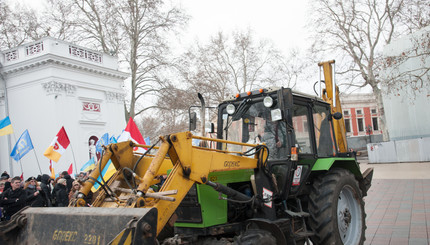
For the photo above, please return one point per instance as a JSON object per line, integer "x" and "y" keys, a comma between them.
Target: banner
{"x": 131, "y": 132}
{"x": 22, "y": 146}
{"x": 70, "y": 170}
{"x": 58, "y": 146}
{"x": 5, "y": 127}
{"x": 51, "y": 169}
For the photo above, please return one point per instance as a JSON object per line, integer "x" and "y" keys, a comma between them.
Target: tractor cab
{"x": 296, "y": 128}
{"x": 280, "y": 118}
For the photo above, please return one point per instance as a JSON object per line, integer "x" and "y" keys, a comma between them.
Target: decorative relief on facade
{"x": 12, "y": 55}
{"x": 34, "y": 48}
{"x": 54, "y": 87}
{"x": 2, "y": 97}
{"x": 91, "y": 106}
{"x": 85, "y": 54}
{"x": 114, "y": 97}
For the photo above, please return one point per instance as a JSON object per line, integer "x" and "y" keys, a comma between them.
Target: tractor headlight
{"x": 268, "y": 101}
{"x": 230, "y": 109}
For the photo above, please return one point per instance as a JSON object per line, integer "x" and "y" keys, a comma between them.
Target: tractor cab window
{"x": 301, "y": 128}
{"x": 255, "y": 125}
{"x": 323, "y": 131}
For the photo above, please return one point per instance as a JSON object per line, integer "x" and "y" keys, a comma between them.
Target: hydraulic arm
{"x": 330, "y": 94}
{"x": 189, "y": 165}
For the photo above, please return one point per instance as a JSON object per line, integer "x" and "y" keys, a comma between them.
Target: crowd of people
{"x": 40, "y": 191}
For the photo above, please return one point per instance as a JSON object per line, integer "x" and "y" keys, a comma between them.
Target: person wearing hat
{"x": 5, "y": 179}
{"x": 13, "y": 199}
{"x": 5, "y": 175}
{"x": 46, "y": 188}
{"x": 35, "y": 195}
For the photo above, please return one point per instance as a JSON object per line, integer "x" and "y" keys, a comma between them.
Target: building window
{"x": 346, "y": 112}
{"x": 348, "y": 125}
{"x": 375, "y": 124}
{"x": 359, "y": 112}
{"x": 373, "y": 111}
{"x": 360, "y": 125}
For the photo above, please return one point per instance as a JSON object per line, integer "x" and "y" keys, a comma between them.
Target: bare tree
{"x": 136, "y": 31}
{"x": 358, "y": 30}
{"x": 407, "y": 70}
{"x": 171, "y": 112}
{"x": 233, "y": 64}
{"x": 226, "y": 65}
{"x": 415, "y": 15}
{"x": 17, "y": 27}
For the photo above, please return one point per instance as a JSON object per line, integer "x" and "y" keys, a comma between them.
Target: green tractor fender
{"x": 364, "y": 179}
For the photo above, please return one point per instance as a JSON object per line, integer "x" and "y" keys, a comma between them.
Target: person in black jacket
{"x": 35, "y": 195}
{"x": 69, "y": 180}
{"x": 46, "y": 188}
{"x": 13, "y": 199}
{"x": 61, "y": 194}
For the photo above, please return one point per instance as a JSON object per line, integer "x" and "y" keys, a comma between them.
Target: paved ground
{"x": 398, "y": 204}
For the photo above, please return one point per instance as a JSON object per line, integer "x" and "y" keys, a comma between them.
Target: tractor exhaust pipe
{"x": 202, "y": 112}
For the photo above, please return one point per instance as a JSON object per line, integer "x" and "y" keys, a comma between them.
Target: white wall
{"x": 47, "y": 90}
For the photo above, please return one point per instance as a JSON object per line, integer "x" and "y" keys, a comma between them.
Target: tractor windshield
{"x": 254, "y": 123}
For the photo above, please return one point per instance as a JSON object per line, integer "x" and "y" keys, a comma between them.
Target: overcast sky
{"x": 278, "y": 20}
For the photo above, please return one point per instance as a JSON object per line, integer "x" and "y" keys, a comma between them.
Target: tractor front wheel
{"x": 336, "y": 209}
{"x": 255, "y": 236}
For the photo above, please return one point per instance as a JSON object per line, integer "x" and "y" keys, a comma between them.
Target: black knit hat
{"x": 31, "y": 178}
{"x": 4, "y": 175}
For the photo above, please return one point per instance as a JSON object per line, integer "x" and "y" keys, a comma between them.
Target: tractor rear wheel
{"x": 336, "y": 209}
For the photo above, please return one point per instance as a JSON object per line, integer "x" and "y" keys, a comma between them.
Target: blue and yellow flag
{"x": 107, "y": 172}
{"x": 104, "y": 140}
{"x": 22, "y": 146}
{"x": 90, "y": 165}
{"x": 5, "y": 127}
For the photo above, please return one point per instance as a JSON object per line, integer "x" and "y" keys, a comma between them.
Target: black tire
{"x": 255, "y": 236}
{"x": 336, "y": 209}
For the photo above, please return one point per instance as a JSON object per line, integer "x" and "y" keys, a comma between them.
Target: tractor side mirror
{"x": 337, "y": 115}
{"x": 193, "y": 121}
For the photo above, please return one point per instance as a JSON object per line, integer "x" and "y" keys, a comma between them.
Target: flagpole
{"x": 40, "y": 170}
{"x": 37, "y": 160}
{"x": 73, "y": 153}
{"x": 6, "y": 106}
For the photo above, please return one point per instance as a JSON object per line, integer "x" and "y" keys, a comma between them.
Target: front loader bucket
{"x": 85, "y": 226}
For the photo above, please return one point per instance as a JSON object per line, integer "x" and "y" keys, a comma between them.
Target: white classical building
{"x": 50, "y": 83}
